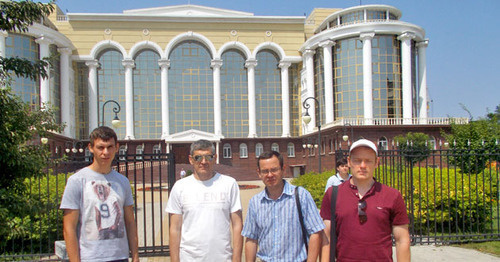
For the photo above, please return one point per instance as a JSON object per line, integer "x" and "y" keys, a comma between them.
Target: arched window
{"x": 122, "y": 152}
{"x": 259, "y": 149}
{"x": 268, "y": 94}
{"x": 139, "y": 150}
{"x": 243, "y": 150}
{"x": 432, "y": 143}
{"x": 290, "y": 150}
{"x": 226, "y": 150}
{"x": 382, "y": 143}
{"x": 88, "y": 155}
{"x": 156, "y": 151}
{"x": 234, "y": 94}
{"x": 147, "y": 96}
{"x": 190, "y": 88}
{"x": 275, "y": 147}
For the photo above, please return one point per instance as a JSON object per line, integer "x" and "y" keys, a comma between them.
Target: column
{"x": 405, "y": 39}
{"x": 367, "y": 77}
{"x": 422, "y": 79}
{"x": 328, "y": 66}
{"x": 65, "y": 91}
{"x": 129, "y": 98}
{"x": 3, "y": 35}
{"x": 250, "y": 64}
{"x": 93, "y": 112}
{"x": 309, "y": 57}
{"x": 165, "y": 122}
{"x": 285, "y": 98}
{"x": 216, "y": 65}
{"x": 44, "y": 43}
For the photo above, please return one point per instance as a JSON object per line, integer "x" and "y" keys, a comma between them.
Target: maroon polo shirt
{"x": 370, "y": 241}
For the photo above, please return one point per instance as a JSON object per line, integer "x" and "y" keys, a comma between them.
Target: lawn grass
{"x": 492, "y": 247}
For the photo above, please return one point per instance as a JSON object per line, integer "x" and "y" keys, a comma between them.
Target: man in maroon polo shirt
{"x": 367, "y": 212}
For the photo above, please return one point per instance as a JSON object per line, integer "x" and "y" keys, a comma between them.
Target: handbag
{"x": 301, "y": 218}
{"x": 333, "y": 224}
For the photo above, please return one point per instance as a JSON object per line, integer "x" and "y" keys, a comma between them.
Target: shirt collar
{"x": 288, "y": 189}
{"x": 341, "y": 179}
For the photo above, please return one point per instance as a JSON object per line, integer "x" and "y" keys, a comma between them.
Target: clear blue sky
{"x": 463, "y": 57}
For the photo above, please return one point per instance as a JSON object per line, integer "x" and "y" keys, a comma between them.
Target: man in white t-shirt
{"x": 202, "y": 208}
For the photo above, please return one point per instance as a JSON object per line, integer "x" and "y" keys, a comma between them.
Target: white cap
{"x": 365, "y": 143}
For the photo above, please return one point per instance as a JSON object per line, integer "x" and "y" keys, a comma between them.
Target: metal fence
{"x": 150, "y": 175}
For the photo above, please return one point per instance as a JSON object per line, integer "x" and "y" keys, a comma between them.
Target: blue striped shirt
{"x": 276, "y": 227}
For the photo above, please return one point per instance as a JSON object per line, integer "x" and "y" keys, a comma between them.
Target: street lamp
{"x": 75, "y": 147}
{"x": 345, "y": 137}
{"x": 116, "y": 109}
{"x": 307, "y": 118}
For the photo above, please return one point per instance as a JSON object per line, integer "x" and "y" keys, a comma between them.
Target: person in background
{"x": 341, "y": 176}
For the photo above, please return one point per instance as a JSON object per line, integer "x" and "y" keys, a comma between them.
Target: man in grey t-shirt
{"x": 99, "y": 222}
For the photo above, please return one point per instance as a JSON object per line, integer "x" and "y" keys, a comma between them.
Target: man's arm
{"x": 131, "y": 232}
{"x": 237, "y": 225}
{"x": 175, "y": 236}
{"x": 325, "y": 245}
{"x": 314, "y": 246}
{"x": 402, "y": 237}
{"x": 250, "y": 250}
{"x": 70, "y": 222}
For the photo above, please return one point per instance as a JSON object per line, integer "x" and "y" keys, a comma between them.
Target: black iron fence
{"x": 35, "y": 231}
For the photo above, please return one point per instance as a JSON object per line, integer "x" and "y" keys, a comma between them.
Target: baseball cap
{"x": 365, "y": 143}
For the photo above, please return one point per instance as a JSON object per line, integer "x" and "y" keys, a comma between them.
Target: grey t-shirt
{"x": 100, "y": 200}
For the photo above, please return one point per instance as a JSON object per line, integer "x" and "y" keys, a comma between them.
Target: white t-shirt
{"x": 205, "y": 207}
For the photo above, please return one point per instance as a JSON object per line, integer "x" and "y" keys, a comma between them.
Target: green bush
{"x": 442, "y": 200}
{"x": 33, "y": 215}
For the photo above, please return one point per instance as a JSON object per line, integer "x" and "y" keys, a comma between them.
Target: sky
{"x": 463, "y": 56}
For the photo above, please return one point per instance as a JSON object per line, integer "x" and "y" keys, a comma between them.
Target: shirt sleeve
{"x": 129, "y": 199}
{"x": 235, "y": 197}
{"x": 250, "y": 229}
{"x": 399, "y": 214}
{"x": 313, "y": 221}
{"x": 72, "y": 194}
{"x": 174, "y": 203}
{"x": 325, "y": 211}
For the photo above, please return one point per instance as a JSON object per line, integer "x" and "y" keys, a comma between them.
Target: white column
{"x": 216, "y": 64}
{"x": 367, "y": 77}
{"x": 328, "y": 67}
{"x": 309, "y": 55}
{"x": 93, "y": 112}
{"x": 422, "y": 77}
{"x": 405, "y": 39}
{"x": 3, "y": 35}
{"x": 129, "y": 99}
{"x": 165, "y": 125}
{"x": 252, "y": 122}
{"x": 65, "y": 91}
{"x": 285, "y": 98}
{"x": 44, "y": 43}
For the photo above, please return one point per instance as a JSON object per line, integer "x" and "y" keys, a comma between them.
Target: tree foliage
{"x": 414, "y": 146}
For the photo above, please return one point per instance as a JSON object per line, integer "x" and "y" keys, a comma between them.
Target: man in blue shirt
{"x": 272, "y": 223}
{"x": 341, "y": 176}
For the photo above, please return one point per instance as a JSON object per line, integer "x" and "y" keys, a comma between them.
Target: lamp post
{"x": 307, "y": 118}
{"x": 75, "y": 147}
{"x": 116, "y": 109}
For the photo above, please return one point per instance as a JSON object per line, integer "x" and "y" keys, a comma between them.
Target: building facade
{"x": 181, "y": 73}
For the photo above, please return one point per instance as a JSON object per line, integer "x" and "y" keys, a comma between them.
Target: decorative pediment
{"x": 192, "y": 135}
{"x": 186, "y": 10}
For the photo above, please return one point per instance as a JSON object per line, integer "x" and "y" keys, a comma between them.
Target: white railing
{"x": 399, "y": 121}
{"x": 61, "y": 18}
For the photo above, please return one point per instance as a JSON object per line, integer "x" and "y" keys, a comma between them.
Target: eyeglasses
{"x": 361, "y": 211}
{"x": 198, "y": 158}
{"x": 272, "y": 170}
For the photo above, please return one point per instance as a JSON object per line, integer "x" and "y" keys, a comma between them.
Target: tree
{"x": 21, "y": 155}
{"x": 414, "y": 146}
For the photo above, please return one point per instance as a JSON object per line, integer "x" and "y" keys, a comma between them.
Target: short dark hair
{"x": 202, "y": 144}
{"x": 340, "y": 162}
{"x": 103, "y": 132}
{"x": 268, "y": 155}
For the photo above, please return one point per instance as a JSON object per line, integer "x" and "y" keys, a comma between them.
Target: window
{"x": 432, "y": 143}
{"x": 243, "y": 150}
{"x": 275, "y": 147}
{"x": 156, "y": 151}
{"x": 122, "y": 152}
{"x": 226, "y": 151}
{"x": 259, "y": 148}
{"x": 382, "y": 143}
{"x": 290, "y": 150}
{"x": 139, "y": 150}
{"x": 88, "y": 155}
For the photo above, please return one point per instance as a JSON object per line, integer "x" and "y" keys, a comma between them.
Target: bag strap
{"x": 333, "y": 224}
{"x": 301, "y": 218}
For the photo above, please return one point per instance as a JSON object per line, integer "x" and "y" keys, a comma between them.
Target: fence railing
{"x": 35, "y": 231}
